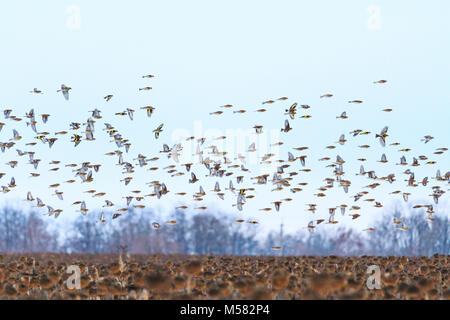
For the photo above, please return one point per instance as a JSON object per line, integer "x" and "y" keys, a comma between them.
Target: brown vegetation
{"x": 110, "y": 276}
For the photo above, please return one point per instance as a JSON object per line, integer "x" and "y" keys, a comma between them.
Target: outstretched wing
{"x": 292, "y": 108}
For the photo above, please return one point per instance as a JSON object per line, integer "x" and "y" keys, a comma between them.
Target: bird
{"x": 427, "y": 139}
{"x": 342, "y": 116}
{"x": 158, "y": 130}
{"x": 342, "y": 139}
{"x": 287, "y": 127}
{"x": 217, "y": 162}
{"x": 108, "y": 97}
{"x": 77, "y": 139}
{"x": 382, "y": 136}
{"x": 149, "y": 110}
{"x": 292, "y": 110}
{"x": 65, "y": 91}
{"x": 44, "y": 117}
{"x": 35, "y": 90}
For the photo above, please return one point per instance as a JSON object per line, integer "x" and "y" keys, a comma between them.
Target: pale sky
{"x": 205, "y": 54}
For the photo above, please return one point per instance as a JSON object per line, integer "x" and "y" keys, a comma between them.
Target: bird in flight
{"x": 213, "y": 165}
{"x": 65, "y": 91}
{"x": 158, "y": 130}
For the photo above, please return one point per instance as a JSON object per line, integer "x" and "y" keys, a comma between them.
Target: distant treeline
{"x": 209, "y": 233}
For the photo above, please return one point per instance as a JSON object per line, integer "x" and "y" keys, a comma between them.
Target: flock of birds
{"x": 179, "y": 277}
{"x": 219, "y": 166}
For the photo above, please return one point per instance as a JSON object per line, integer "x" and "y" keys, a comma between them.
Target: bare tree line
{"x": 209, "y": 233}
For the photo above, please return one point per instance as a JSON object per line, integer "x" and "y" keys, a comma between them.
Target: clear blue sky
{"x": 205, "y": 54}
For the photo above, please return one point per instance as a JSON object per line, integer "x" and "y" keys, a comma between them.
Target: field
{"x": 114, "y": 276}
